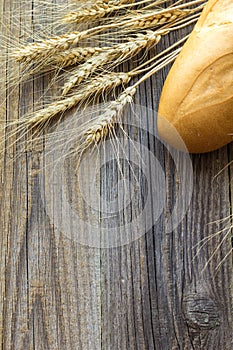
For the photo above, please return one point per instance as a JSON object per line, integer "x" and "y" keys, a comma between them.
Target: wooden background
{"x": 65, "y": 291}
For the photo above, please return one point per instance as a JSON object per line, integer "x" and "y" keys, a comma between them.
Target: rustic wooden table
{"x": 102, "y": 265}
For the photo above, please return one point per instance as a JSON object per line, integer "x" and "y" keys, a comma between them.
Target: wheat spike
{"x": 154, "y": 18}
{"x": 62, "y": 59}
{"x": 47, "y": 48}
{"x": 119, "y": 52}
{"x": 95, "y": 11}
{"x": 76, "y": 55}
{"x": 105, "y": 122}
{"x": 96, "y": 86}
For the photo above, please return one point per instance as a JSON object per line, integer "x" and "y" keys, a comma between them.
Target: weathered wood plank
{"x": 83, "y": 266}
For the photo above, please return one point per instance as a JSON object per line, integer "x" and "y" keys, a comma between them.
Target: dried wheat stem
{"x": 96, "y": 11}
{"x": 95, "y": 87}
{"x": 116, "y": 55}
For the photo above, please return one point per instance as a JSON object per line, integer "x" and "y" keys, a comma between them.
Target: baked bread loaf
{"x": 197, "y": 98}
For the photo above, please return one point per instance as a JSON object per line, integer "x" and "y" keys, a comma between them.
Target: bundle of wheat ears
{"x": 89, "y": 59}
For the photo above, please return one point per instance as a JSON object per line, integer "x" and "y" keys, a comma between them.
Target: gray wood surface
{"x": 83, "y": 265}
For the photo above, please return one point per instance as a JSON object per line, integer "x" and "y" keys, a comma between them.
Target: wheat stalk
{"x": 119, "y": 52}
{"x": 147, "y": 17}
{"x": 96, "y": 11}
{"x": 96, "y": 86}
{"x": 49, "y": 47}
{"x": 106, "y": 121}
{"x": 101, "y": 9}
{"x": 75, "y": 55}
{"x": 152, "y": 19}
{"x": 62, "y": 59}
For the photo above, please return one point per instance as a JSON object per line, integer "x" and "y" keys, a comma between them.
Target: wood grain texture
{"x": 80, "y": 276}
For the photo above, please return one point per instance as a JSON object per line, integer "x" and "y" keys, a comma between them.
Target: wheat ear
{"x": 96, "y": 11}
{"x": 76, "y": 55}
{"x": 155, "y": 18}
{"x": 95, "y": 87}
{"x": 47, "y": 48}
{"x": 106, "y": 121}
{"x": 118, "y": 53}
{"x": 147, "y": 18}
{"x": 64, "y": 59}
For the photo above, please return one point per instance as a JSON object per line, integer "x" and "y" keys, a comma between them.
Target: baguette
{"x": 196, "y": 103}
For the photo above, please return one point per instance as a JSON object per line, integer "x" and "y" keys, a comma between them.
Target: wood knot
{"x": 201, "y": 312}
